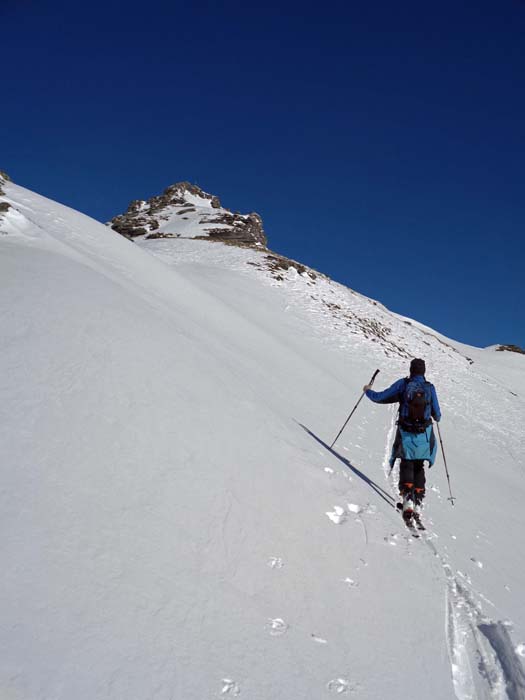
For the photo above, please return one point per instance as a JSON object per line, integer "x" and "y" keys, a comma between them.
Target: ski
{"x": 411, "y": 527}
{"x": 419, "y": 524}
{"x": 414, "y": 521}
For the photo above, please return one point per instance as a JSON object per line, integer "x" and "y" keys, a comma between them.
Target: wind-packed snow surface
{"x": 174, "y": 524}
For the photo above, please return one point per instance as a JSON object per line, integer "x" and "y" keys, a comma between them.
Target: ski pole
{"x": 452, "y": 498}
{"x": 353, "y": 410}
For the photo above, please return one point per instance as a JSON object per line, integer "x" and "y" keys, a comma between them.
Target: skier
{"x": 415, "y": 441}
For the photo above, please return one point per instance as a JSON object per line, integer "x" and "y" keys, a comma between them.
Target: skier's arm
{"x": 436, "y": 412}
{"x": 390, "y": 395}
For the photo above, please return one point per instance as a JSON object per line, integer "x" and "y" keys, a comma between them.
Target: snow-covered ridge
{"x": 174, "y": 525}
{"x": 185, "y": 211}
{"x": 341, "y": 317}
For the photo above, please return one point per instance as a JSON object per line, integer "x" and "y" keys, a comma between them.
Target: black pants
{"x": 412, "y": 478}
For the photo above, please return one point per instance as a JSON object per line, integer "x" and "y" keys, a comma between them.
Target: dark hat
{"x": 417, "y": 367}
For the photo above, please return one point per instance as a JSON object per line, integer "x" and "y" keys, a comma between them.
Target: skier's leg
{"x": 406, "y": 476}
{"x": 406, "y": 484}
{"x": 419, "y": 491}
{"x": 419, "y": 481}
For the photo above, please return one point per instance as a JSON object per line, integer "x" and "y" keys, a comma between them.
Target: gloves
{"x": 366, "y": 388}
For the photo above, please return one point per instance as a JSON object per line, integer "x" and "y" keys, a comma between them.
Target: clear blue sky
{"x": 382, "y": 142}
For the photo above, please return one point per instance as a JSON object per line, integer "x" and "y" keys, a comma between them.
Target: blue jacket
{"x": 409, "y": 445}
{"x": 394, "y": 394}
{"x": 414, "y": 446}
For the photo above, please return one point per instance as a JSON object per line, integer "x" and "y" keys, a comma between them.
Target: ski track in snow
{"x": 485, "y": 665}
{"x": 483, "y": 658}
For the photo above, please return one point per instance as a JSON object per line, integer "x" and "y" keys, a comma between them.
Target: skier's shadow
{"x": 375, "y": 487}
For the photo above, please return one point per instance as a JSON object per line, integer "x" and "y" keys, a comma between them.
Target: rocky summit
{"x": 184, "y": 210}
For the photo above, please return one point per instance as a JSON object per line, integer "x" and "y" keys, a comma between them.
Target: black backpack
{"x": 415, "y": 406}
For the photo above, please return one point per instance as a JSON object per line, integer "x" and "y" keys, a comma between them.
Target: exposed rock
{"x": 183, "y": 210}
{"x": 4, "y": 177}
{"x": 245, "y": 229}
{"x": 511, "y": 348}
{"x": 4, "y": 206}
{"x": 153, "y": 236}
{"x": 279, "y": 265}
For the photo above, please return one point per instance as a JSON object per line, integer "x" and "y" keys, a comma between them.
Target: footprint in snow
{"x": 277, "y": 627}
{"x": 520, "y": 650}
{"x": 478, "y": 563}
{"x": 338, "y": 685}
{"x": 275, "y": 563}
{"x": 392, "y": 539}
{"x": 230, "y": 687}
{"x": 341, "y": 685}
{"x": 319, "y": 640}
{"x": 350, "y": 582}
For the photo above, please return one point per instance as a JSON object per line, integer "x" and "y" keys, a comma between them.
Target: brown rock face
{"x": 511, "y": 348}
{"x": 243, "y": 229}
{"x": 4, "y": 206}
{"x": 184, "y": 210}
{"x": 4, "y": 177}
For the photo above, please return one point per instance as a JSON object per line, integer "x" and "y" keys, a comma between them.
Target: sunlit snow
{"x": 174, "y": 524}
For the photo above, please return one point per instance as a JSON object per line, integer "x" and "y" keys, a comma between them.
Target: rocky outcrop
{"x": 511, "y": 348}
{"x": 279, "y": 266}
{"x": 4, "y": 177}
{"x": 184, "y": 210}
{"x": 4, "y": 206}
{"x": 243, "y": 229}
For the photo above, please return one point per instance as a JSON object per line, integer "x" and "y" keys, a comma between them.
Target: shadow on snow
{"x": 375, "y": 487}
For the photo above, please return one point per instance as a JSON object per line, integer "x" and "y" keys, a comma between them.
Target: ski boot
{"x": 408, "y": 507}
{"x": 416, "y": 515}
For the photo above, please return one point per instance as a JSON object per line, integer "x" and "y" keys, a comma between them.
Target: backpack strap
{"x": 402, "y": 398}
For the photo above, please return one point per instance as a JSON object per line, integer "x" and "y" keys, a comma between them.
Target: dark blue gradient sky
{"x": 383, "y": 143}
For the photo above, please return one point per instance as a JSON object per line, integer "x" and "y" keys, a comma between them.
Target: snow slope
{"x": 174, "y": 524}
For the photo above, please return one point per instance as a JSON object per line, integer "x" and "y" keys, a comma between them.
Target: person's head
{"x": 417, "y": 367}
